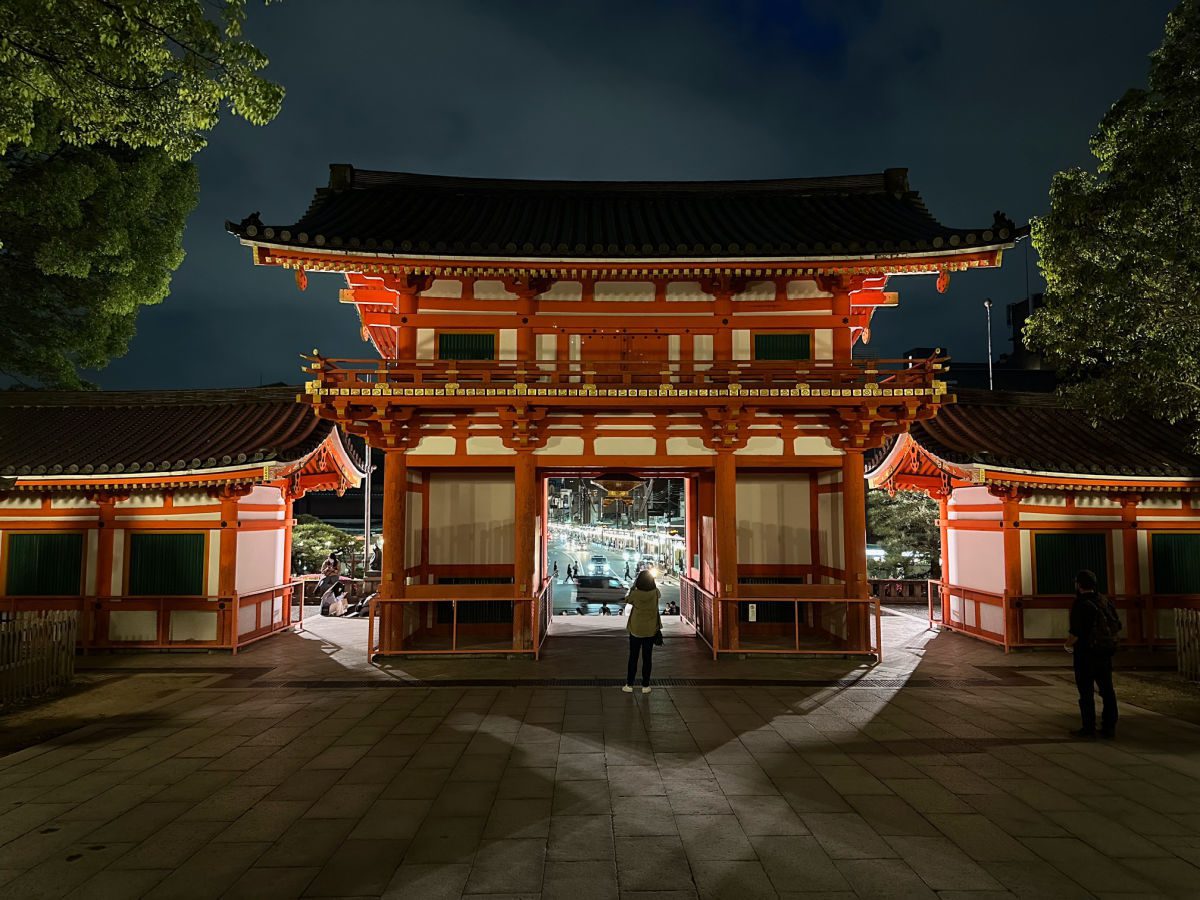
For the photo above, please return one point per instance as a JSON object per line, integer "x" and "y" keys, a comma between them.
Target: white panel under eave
{"x": 444, "y": 287}
{"x": 673, "y": 347}
{"x": 435, "y": 445}
{"x": 547, "y": 346}
{"x": 561, "y": 445}
{"x": 78, "y": 501}
{"x": 471, "y": 518}
{"x": 90, "y": 555}
{"x": 686, "y": 290}
{"x": 702, "y": 348}
{"x": 569, "y": 291}
{"x": 625, "y": 446}
{"x": 805, "y": 288}
{"x": 687, "y": 446}
{"x": 488, "y": 445}
{"x": 762, "y": 446}
{"x": 814, "y": 445}
{"x": 491, "y": 290}
{"x": 757, "y": 290}
{"x": 627, "y": 291}
{"x": 773, "y": 519}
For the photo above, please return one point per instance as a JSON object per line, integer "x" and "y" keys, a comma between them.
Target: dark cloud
{"x": 983, "y": 103}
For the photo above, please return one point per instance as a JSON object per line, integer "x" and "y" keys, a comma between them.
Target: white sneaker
{"x": 627, "y": 688}
{"x": 645, "y": 690}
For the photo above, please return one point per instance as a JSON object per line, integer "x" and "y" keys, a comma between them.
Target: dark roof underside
{"x": 389, "y": 212}
{"x": 1034, "y": 431}
{"x": 81, "y": 433}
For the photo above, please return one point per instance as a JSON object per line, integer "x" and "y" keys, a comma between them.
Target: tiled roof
{"x": 79, "y": 433}
{"x": 401, "y": 213}
{"x": 1036, "y": 432}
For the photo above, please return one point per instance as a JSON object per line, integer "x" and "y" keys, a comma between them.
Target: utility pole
{"x": 987, "y": 306}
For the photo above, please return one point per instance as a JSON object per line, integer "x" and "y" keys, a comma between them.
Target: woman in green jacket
{"x": 644, "y": 626}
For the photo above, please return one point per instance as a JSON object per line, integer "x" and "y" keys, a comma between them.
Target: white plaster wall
{"x": 686, "y": 290}
{"x": 561, "y": 445}
{"x": 471, "y": 517}
{"x": 973, "y": 496}
{"x": 673, "y": 347}
{"x": 115, "y": 577}
{"x": 741, "y": 344}
{"x": 625, "y": 446}
{"x": 193, "y": 498}
{"x": 259, "y": 560}
{"x": 139, "y": 500}
{"x": 761, "y": 445}
{"x": 805, "y": 288}
{"x": 488, "y": 445}
{"x": 569, "y": 291}
{"x": 757, "y": 290}
{"x": 814, "y": 445}
{"x": 547, "y": 346}
{"x": 977, "y": 559}
{"x": 702, "y": 347}
{"x": 263, "y": 494}
{"x": 75, "y": 501}
{"x": 412, "y": 529}
{"x": 444, "y": 287}
{"x": 687, "y": 446}
{"x": 638, "y": 291}
{"x": 491, "y": 290}
{"x": 435, "y": 445}
{"x": 822, "y": 343}
{"x": 425, "y": 345}
{"x": 213, "y": 584}
{"x": 832, "y": 536}
{"x": 91, "y": 546}
{"x": 508, "y": 344}
{"x": 773, "y": 519}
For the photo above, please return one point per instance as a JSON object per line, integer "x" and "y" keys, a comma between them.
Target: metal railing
{"x": 697, "y": 607}
{"x": 543, "y": 614}
{"x": 815, "y": 376}
{"x": 37, "y": 652}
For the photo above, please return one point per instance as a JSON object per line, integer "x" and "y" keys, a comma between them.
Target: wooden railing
{"x": 1002, "y": 619}
{"x": 1187, "y": 643}
{"x": 900, "y": 590}
{"x": 366, "y": 376}
{"x": 785, "y": 619}
{"x": 37, "y": 652}
{"x": 167, "y": 622}
{"x": 445, "y": 624}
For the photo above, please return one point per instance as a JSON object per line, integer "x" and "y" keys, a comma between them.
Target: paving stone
{"x": 358, "y": 868}
{"x": 118, "y": 883}
{"x": 208, "y": 873}
{"x": 884, "y": 879}
{"x": 1111, "y": 838}
{"x": 581, "y": 838}
{"x": 811, "y": 795}
{"x": 396, "y": 820}
{"x": 891, "y": 815}
{"x": 170, "y": 846}
{"x": 580, "y": 880}
{"x": 307, "y": 842}
{"x": 718, "y": 879}
{"x": 525, "y": 817}
{"x": 643, "y": 816}
{"x": 795, "y": 863}
{"x": 428, "y": 882}
{"x": 635, "y": 781}
{"x": 980, "y": 838}
{"x": 927, "y": 796}
{"x": 271, "y": 884}
{"x": 581, "y": 798}
{"x": 446, "y": 839}
{"x": 1087, "y": 866}
{"x": 508, "y": 866}
{"x": 69, "y": 868}
{"x": 847, "y": 836}
{"x": 651, "y": 864}
{"x": 942, "y": 865}
{"x": 853, "y": 779}
{"x": 697, "y": 798}
{"x": 518, "y": 783}
{"x": 766, "y": 816}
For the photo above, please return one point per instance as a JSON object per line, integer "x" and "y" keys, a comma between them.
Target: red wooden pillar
{"x": 854, "y": 546}
{"x": 944, "y": 537}
{"x": 395, "y": 508}
{"x": 706, "y": 530}
{"x": 689, "y": 527}
{"x": 725, "y": 526}
{"x": 1140, "y": 624}
{"x": 1010, "y": 526}
{"x": 288, "y": 503}
{"x": 524, "y": 523}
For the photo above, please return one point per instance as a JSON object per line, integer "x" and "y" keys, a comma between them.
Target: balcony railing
{"x": 818, "y": 378}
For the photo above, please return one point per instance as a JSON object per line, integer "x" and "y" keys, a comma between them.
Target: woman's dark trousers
{"x": 644, "y": 646}
{"x": 1095, "y": 669}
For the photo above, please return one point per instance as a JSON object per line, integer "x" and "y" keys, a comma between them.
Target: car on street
{"x": 600, "y": 589}
{"x": 649, "y": 561}
{"x": 598, "y": 564}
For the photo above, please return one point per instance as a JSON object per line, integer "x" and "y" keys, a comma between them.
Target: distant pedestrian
{"x": 645, "y": 628}
{"x": 556, "y": 570}
{"x": 626, "y": 571}
{"x": 1094, "y": 630}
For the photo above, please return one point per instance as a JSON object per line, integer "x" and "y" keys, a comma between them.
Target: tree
{"x": 312, "y": 542}
{"x": 102, "y": 105}
{"x": 1120, "y": 248}
{"x": 906, "y": 527}
{"x": 142, "y": 73}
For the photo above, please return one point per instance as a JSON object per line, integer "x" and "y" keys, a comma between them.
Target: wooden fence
{"x": 1187, "y": 642}
{"x": 37, "y": 653}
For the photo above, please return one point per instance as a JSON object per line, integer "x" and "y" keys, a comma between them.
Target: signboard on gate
{"x": 752, "y": 609}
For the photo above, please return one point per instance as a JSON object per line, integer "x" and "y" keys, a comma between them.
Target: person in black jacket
{"x": 1093, "y": 665}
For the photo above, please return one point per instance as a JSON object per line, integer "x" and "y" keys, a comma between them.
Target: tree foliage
{"x": 102, "y": 105}
{"x": 142, "y": 73}
{"x": 1120, "y": 248}
{"x": 312, "y": 542}
{"x": 906, "y": 527}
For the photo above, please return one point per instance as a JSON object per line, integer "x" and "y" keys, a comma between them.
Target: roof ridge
{"x": 151, "y": 397}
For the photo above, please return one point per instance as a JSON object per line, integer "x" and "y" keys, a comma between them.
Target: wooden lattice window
{"x": 1176, "y": 560}
{"x": 1059, "y": 555}
{"x": 783, "y": 346}
{"x": 466, "y": 345}
{"x": 167, "y": 564}
{"x": 45, "y": 564}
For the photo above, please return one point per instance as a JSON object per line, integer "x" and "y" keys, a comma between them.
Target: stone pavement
{"x": 298, "y": 769}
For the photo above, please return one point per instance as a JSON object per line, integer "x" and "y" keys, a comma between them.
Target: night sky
{"x": 983, "y": 102}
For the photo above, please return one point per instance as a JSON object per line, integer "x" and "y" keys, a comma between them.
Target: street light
{"x": 987, "y": 305}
